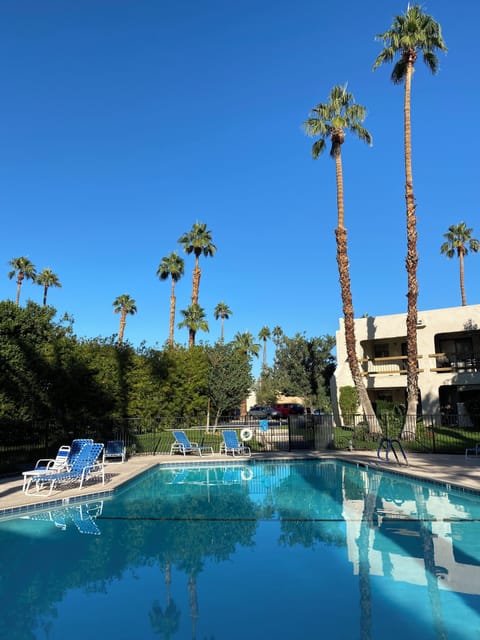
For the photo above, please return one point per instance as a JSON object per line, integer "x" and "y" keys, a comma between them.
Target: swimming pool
{"x": 278, "y": 550}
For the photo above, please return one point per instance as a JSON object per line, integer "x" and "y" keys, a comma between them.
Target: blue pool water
{"x": 308, "y": 549}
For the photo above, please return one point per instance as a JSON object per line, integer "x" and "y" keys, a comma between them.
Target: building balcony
{"x": 447, "y": 362}
{"x": 434, "y": 362}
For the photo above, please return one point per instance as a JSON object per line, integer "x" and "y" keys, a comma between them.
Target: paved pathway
{"x": 451, "y": 469}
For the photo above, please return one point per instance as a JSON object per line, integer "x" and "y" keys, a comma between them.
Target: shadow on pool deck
{"x": 455, "y": 470}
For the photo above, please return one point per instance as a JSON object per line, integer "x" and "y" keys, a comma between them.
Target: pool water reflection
{"x": 264, "y": 550}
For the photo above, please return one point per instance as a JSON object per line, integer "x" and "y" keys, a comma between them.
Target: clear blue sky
{"x": 122, "y": 122}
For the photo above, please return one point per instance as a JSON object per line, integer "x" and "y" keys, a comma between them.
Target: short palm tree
{"x": 410, "y": 33}
{"x": 277, "y": 333}
{"x": 194, "y": 320}
{"x": 246, "y": 344}
{"x": 458, "y": 242}
{"x": 172, "y": 266}
{"x": 329, "y": 121}
{"x": 223, "y": 312}
{"x": 124, "y": 305}
{"x": 264, "y": 334}
{"x": 199, "y": 242}
{"x": 47, "y": 279}
{"x": 24, "y": 269}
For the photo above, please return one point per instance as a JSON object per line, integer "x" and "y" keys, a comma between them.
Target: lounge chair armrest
{"x": 44, "y": 463}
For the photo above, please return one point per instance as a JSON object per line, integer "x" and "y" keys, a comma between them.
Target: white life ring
{"x": 247, "y": 474}
{"x": 246, "y": 434}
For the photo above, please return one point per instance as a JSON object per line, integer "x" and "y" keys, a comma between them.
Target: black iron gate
{"x": 313, "y": 432}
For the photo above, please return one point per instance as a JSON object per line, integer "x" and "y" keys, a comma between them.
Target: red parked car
{"x": 286, "y": 409}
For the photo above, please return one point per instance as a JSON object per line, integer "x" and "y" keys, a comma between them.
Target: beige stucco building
{"x": 448, "y": 343}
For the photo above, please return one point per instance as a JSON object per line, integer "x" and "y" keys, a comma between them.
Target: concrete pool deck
{"x": 454, "y": 470}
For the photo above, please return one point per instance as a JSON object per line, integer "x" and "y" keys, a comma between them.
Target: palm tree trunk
{"x": 45, "y": 290}
{"x": 19, "y": 288}
{"x": 222, "y": 328}
{"x": 196, "y": 281}
{"x": 191, "y": 338}
{"x": 427, "y": 537}
{"x": 348, "y": 313}
{"x": 123, "y": 322}
{"x": 409, "y": 426}
{"x": 172, "y": 314}
{"x": 462, "y": 279}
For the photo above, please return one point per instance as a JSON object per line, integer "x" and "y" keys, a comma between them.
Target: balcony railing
{"x": 437, "y": 362}
{"x": 445, "y": 362}
{"x": 389, "y": 365}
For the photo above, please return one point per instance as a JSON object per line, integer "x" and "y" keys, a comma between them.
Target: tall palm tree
{"x": 264, "y": 334}
{"x": 194, "y": 320}
{"x": 246, "y": 344}
{"x": 329, "y": 121}
{"x": 24, "y": 269}
{"x": 47, "y": 279}
{"x": 124, "y": 305}
{"x": 222, "y": 311}
{"x": 172, "y": 266}
{"x": 410, "y": 33}
{"x": 457, "y": 239}
{"x": 199, "y": 242}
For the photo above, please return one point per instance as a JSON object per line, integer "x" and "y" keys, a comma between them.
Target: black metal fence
{"x": 21, "y": 444}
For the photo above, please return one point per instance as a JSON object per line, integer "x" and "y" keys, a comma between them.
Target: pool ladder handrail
{"x": 389, "y": 447}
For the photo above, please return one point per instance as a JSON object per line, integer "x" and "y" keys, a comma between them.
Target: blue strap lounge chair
{"x": 85, "y": 465}
{"x": 84, "y": 520}
{"x": 183, "y": 445}
{"x": 115, "y": 449}
{"x": 232, "y": 445}
{"x": 63, "y": 461}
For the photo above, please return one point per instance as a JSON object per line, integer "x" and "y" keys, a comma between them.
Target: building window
{"x": 381, "y": 350}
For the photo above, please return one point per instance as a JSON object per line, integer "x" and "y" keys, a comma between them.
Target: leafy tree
{"x": 264, "y": 334}
{"x": 458, "y": 241}
{"x": 124, "y": 305}
{"x": 24, "y": 269}
{"x": 43, "y": 373}
{"x": 25, "y": 372}
{"x": 183, "y": 390}
{"x": 303, "y": 367}
{"x": 266, "y": 392}
{"x": 410, "y": 33}
{"x": 224, "y": 312}
{"x": 145, "y": 376}
{"x": 348, "y": 401}
{"x": 194, "y": 320}
{"x": 47, "y": 279}
{"x": 172, "y": 266}
{"x": 329, "y": 121}
{"x": 100, "y": 370}
{"x": 229, "y": 378}
{"x": 199, "y": 242}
